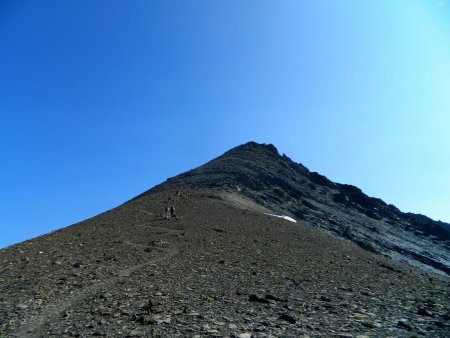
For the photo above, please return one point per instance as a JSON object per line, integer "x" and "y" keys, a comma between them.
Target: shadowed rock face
{"x": 258, "y": 172}
{"x": 227, "y": 267}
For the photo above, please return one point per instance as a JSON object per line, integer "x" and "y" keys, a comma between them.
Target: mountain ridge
{"x": 260, "y": 173}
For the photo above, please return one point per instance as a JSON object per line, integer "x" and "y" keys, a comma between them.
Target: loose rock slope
{"x": 258, "y": 172}
{"x": 224, "y": 268}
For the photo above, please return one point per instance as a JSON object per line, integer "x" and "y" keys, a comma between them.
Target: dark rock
{"x": 424, "y": 312}
{"x": 255, "y": 298}
{"x": 404, "y": 324}
{"x": 439, "y": 324}
{"x": 287, "y": 318}
{"x": 325, "y": 299}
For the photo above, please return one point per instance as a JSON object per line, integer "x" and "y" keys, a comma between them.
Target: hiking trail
{"x": 35, "y": 326}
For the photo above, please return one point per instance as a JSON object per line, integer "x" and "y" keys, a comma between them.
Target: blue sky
{"x": 101, "y": 100}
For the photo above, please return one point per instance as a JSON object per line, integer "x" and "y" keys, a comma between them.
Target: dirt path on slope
{"x": 35, "y": 326}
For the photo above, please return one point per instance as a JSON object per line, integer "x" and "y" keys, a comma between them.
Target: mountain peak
{"x": 254, "y": 146}
{"x": 258, "y": 172}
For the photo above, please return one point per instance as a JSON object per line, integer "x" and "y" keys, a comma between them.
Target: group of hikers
{"x": 170, "y": 212}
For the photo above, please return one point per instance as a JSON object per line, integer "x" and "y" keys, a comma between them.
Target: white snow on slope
{"x": 287, "y": 218}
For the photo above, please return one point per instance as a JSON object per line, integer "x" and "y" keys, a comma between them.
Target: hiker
{"x": 167, "y": 211}
{"x": 172, "y": 212}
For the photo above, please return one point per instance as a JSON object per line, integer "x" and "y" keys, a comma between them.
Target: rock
{"x": 403, "y": 323}
{"x": 135, "y": 333}
{"x": 325, "y": 299}
{"x": 368, "y": 324}
{"x": 424, "y": 312}
{"x": 288, "y": 318}
{"x": 255, "y": 298}
{"x": 439, "y": 324}
{"x": 245, "y": 335}
{"x": 164, "y": 321}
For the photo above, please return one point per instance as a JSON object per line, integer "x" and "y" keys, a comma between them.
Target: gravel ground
{"x": 224, "y": 268}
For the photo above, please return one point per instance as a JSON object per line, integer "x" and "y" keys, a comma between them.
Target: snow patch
{"x": 287, "y": 218}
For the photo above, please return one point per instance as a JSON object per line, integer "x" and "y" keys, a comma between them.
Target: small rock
{"x": 439, "y": 324}
{"x": 288, "y": 318}
{"x": 325, "y": 299}
{"x": 255, "y": 298}
{"x": 367, "y": 293}
{"x": 135, "y": 333}
{"x": 403, "y": 323}
{"x": 245, "y": 335}
{"x": 165, "y": 321}
{"x": 368, "y": 324}
{"x": 424, "y": 312}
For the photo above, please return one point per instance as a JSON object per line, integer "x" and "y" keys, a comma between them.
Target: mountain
{"x": 260, "y": 247}
{"x": 259, "y": 173}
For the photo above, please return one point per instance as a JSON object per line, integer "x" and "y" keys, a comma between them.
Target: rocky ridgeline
{"x": 257, "y": 171}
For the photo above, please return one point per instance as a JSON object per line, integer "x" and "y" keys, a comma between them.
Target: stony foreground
{"x": 224, "y": 268}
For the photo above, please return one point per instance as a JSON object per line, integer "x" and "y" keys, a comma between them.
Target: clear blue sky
{"x": 101, "y": 100}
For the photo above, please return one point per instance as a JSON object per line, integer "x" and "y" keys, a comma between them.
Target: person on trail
{"x": 172, "y": 212}
{"x": 167, "y": 211}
